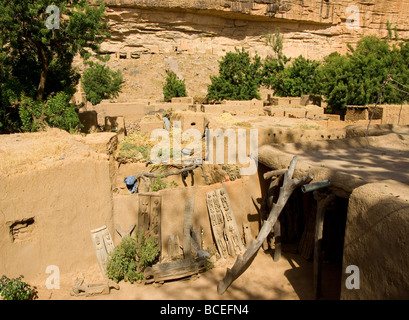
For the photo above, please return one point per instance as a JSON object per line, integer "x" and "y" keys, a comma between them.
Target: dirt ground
{"x": 291, "y": 278}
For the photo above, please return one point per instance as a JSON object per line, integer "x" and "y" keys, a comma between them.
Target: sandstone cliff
{"x": 210, "y": 28}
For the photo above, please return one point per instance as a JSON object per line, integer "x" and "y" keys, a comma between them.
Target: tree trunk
{"x": 244, "y": 261}
{"x": 44, "y": 71}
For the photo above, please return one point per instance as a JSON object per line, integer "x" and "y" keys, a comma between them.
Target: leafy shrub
{"x": 121, "y": 263}
{"x": 16, "y": 289}
{"x": 174, "y": 87}
{"x": 159, "y": 184}
{"x": 56, "y": 112}
{"x": 131, "y": 257}
{"x": 99, "y": 83}
{"x": 239, "y": 78}
{"x": 148, "y": 251}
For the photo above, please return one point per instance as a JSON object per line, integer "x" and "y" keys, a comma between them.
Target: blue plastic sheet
{"x": 131, "y": 184}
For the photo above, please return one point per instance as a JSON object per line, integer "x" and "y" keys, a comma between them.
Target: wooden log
{"x": 127, "y": 233}
{"x": 174, "y": 247}
{"x": 277, "y": 241}
{"x": 174, "y": 270}
{"x": 323, "y": 200}
{"x": 149, "y": 175}
{"x": 195, "y": 241}
{"x": 274, "y": 173}
{"x": 275, "y": 183}
{"x": 188, "y": 227}
{"x": 245, "y": 260}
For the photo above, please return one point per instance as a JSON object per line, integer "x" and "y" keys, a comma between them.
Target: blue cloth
{"x": 131, "y": 183}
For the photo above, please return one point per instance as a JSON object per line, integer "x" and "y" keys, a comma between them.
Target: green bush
{"x": 16, "y": 289}
{"x": 148, "y": 251}
{"x": 174, "y": 87}
{"x": 99, "y": 83}
{"x": 239, "y": 78}
{"x": 56, "y": 112}
{"x": 131, "y": 257}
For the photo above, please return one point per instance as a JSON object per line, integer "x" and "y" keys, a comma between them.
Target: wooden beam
{"x": 245, "y": 260}
{"x": 188, "y": 227}
{"x": 274, "y": 173}
{"x": 323, "y": 200}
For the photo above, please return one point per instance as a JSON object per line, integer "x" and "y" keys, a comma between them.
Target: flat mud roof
{"x": 357, "y": 160}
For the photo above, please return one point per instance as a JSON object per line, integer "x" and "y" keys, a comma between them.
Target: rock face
{"x": 210, "y": 28}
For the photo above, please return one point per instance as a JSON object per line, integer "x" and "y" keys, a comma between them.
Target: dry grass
{"x": 226, "y": 118}
{"x": 137, "y": 147}
{"x": 18, "y": 152}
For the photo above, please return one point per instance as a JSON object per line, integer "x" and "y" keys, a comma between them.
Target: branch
{"x": 243, "y": 262}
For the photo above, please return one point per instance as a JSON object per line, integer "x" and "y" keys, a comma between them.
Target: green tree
{"x": 298, "y": 78}
{"x": 100, "y": 82}
{"x": 36, "y": 61}
{"x": 273, "y": 71}
{"x": 336, "y": 74}
{"x": 358, "y": 77}
{"x": 239, "y": 78}
{"x": 174, "y": 87}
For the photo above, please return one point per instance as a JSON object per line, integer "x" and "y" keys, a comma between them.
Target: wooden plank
{"x": 323, "y": 201}
{"x": 173, "y": 246}
{"x": 144, "y": 213}
{"x": 217, "y": 222}
{"x": 174, "y": 270}
{"x": 155, "y": 219}
{"x": 149, "y": 216}
{"x": 234, "y": 243}
{"x": 103, "y": 246}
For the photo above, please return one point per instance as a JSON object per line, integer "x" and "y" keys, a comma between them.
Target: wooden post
{"x": 245, "y": 260}
{"x": 277, "y": 241}
{"x": 323, "y": 200}
{"x": 149, "y": 216}
{"x": 188, "y": 227}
